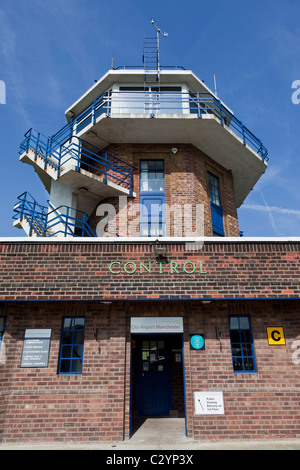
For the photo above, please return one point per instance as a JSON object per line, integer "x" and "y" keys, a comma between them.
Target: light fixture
{"x": 206, "y": 301}
{"x": 160, "y": 250}
{"x": 174, "y": 150}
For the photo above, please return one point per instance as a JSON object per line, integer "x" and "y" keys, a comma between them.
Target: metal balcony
{"x": 155, "y": 103}
{"x": 158, "y": 116}
{"x": 77, "y": 163}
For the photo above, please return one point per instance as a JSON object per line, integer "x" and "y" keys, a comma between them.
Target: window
{"x": 2, "y": 327}
{"x": 242, "y": 350}
{"x": 215, "y": 205}
{"x": 152, "y": 198}
{"x": 152, "y": 176}
{"x": 137, "y": 99}
{"x": 214, "y": 189}
{"x": 71, "y": 347}
{"x": 153, "y": 356}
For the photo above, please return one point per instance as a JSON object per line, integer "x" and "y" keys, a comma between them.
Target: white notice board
{"x": 209, "y": 403}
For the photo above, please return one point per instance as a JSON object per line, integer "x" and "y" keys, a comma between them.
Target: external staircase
{"x": 77, "y": 163}
{"x": 48, "y": 221}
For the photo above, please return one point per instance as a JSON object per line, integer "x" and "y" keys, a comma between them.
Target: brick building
{"x": 135, "y": 293}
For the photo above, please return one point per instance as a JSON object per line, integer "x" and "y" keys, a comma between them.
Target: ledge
{"x": 148, "y": 240}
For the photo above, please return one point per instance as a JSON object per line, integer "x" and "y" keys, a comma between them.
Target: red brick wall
{"x": 39, "y": 405}
{"x": 258, "y": 405}
{"x": 186, "y": 182}
{"x": 76, "y": 270}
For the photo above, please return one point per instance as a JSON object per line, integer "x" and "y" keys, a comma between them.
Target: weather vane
{"x": 158, "y": 29}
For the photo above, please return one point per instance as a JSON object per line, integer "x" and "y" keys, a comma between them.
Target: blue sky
{"x": 51, "y": 52}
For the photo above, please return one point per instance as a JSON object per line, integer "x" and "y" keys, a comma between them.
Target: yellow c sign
{"x": 275, "y": 335}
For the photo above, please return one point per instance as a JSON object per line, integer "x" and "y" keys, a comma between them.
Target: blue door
{"x": 217, "y": 219}
{"x": 153, "y": 379}
{"x": 152, "y": 216}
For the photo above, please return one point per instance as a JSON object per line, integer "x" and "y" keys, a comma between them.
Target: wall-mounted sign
{"x": 156, "y": 325}
{"x": 209, "y": 403}
{"x": 275, "y": 335}
{"x": 36, "y": 348}
{"x": 174, "y": 267}
{"x": 197, "y": 342}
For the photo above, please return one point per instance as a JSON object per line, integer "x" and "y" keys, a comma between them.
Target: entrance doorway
{"x": 153, "y": 377}
{"x": 157, "y": 382}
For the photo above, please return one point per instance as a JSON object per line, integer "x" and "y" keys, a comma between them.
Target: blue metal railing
{"x": 139, "y": 67}
{"x": 156, "y": 102}
{"x": 35, "y": 214}
{"x": 50, "y": 222}
{"x": 57, "y": 151}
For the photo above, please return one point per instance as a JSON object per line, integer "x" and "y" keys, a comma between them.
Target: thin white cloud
{"x": 275, "y": 209}
{"x": 12, "y": 66}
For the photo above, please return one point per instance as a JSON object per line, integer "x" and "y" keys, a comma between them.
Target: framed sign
{"x": 36, "y": 348}
{"x": 156, "y": 325}
{"x": 209, "y": 403}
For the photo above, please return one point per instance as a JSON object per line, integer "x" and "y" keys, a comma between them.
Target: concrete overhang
{"x": 207, "y": 134}
{"x": 136, "y": 77}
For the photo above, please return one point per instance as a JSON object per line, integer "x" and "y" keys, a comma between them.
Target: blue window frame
{"x": 242, "y": 350}
{"x": 2, "y": 328}
{"x": 215, "y": 205}
{"x": 152, "y": 198}
{"x": 152, "y": 176}
{"x": 71, "y": 346}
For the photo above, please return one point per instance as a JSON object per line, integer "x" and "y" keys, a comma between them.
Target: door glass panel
{"x": 145, "y": 351}
{"x": 153, "y": 356}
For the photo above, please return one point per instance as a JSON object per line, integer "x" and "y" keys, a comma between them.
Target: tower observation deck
{"x": 135, "y": 124}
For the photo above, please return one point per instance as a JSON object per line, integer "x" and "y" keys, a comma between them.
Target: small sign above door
{"x": 156, "y": 325}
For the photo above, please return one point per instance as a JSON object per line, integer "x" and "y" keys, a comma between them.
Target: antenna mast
{"x": 152, "y": 71}
{"x": 151, "y": 57}
{"x": 158, "y": 31}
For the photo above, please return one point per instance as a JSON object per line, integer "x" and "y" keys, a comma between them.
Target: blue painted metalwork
{"x": 2, "y": 329}
{"x": 184, "y": 385}
{"x": 173, "y": 102}
{"x": 215, "y": 205}
{"x": 48, "y": 221}
{"x": 152, "y": 198}
{"x": 217, "y": 219}
{"x": 57, "y": 151}
{"x": 71, "y": 346}
{"x": 241, "y": 340}
{"x": 138, "y": 67}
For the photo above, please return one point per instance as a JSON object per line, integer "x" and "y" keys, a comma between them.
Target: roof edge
{"x": 148, "y": 240}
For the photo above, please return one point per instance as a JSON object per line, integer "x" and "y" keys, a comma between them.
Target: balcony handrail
{"x": 47, "y": 223}
{"x": 71, "y": 223}
{"x": 179, "y": 102}
{"x": 58, "y": 154}
{"x": 139, "y": 67}
{"x": 35, "y": 213}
